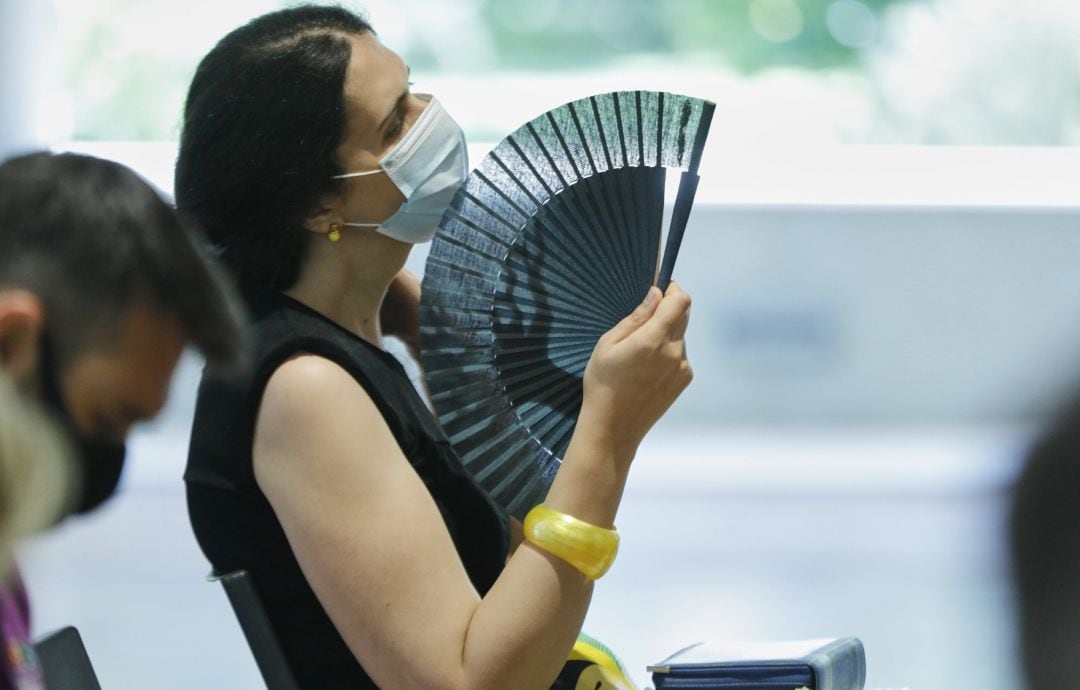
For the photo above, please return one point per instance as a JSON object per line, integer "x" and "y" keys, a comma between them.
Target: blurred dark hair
{"x": 263, "y": 121}
{"x": 89, "y": 238}
{"x": 1045, "y": 546}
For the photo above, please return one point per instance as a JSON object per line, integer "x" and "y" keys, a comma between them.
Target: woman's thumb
{"x": 637, "y": 318}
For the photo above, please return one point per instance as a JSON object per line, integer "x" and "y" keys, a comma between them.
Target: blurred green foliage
{"x": 577, "y": 34}
{"x": 126, "y": 77}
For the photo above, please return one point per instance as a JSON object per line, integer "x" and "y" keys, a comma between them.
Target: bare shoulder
{"x": 314, "y": 410}
{"x": 307, "y": 375}
{"x": 308, "y": 386}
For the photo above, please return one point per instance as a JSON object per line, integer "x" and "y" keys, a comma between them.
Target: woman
{"x": 314, "y": 169}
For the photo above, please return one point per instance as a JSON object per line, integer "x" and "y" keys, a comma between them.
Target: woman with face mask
{"x": 314, "y": 169}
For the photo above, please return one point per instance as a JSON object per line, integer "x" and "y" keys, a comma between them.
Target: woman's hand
{"x": 399, "y": 315}
{"x": 637, "y": 371}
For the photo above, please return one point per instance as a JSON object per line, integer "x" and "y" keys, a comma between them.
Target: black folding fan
{"x": 550, "y": 242}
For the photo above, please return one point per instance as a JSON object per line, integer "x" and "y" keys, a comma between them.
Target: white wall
{"x": 26, "y": 76}
{"x": 871, "y": 315}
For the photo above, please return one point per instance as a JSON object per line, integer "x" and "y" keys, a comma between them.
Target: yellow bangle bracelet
{"x": 588, "y": 548}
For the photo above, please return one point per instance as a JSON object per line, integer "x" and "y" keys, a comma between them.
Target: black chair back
{"x": 256, "y": 627}
{"x": 65, "y": 662}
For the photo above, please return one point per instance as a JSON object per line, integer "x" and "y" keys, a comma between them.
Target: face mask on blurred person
{"x": 98, "y": 461}
{"x": 427, "y": 165}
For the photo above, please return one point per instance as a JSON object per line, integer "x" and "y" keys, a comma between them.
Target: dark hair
{"x": 89, "y": 238}
{"x": 1045, "y": 546}
{"x": 263, "y": 121}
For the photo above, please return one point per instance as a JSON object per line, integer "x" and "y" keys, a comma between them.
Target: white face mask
{"x": 427, "y": 165}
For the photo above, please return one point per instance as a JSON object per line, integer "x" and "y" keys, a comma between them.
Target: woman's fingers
{"x": 678, "y": 332}
{"x": 670, "y": 318}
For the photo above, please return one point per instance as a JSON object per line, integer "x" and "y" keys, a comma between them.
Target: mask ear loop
{"x": 359, "y": 174}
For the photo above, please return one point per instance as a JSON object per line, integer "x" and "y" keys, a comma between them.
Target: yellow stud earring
{"x": 335, "y": 233}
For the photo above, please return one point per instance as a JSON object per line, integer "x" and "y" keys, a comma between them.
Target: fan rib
{"x": 514, "y": 178}
{"x": 563, "y": 183}
{"x": 704, "y": 122}
{"x": 573, "y": 256}
{"x": 585, "y": 217}
{"x": 555, "y": 224}
{"x": 660, "y": 128}
{"x": 565, "y": 147}
{"x": 527, "y": 300}
{"x": 583, "y": 138}
{"x": 600, "y": 129}
{"x": 511, "y": 282}
{"x": 458, "y": 267}
{"x": 505, "y": 197}
{"x": 501, "y": 169}
{"x": 612, "y": 238}
{"x": 532, "y": 168}
{"x": 534, "y": 412}
{"x": 640, "y": 131}
{"x": 619, "y": 126}
{"x": 553, "y": 351}
{"x": 468, "y": 221}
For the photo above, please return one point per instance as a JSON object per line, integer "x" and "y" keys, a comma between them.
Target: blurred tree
{"x": 128, "y": 61}
{"x": 749, "y": 35}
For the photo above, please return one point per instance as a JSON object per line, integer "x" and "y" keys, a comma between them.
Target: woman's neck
{"x": 347, "y": 291}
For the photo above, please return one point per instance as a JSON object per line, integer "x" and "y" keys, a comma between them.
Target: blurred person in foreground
{"x": 1045, "y": 543}
{"x": 101, "y": 289}
{"x": 35, "y": 483}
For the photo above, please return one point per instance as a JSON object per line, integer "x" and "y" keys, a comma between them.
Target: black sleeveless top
{"x": 236, "y": 526}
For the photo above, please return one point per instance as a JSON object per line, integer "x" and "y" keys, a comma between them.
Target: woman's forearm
{"x": 526, "y": 625}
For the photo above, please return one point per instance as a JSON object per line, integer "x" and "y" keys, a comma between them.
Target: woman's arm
{"x": 374, "y": 547}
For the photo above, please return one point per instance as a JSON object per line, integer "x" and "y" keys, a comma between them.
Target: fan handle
{"x": 679, "y": 217}
{"x": 684, "y": 200}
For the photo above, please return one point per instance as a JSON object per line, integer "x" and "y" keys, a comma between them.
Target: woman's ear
{"x": 324, "y": 219}
{"x": 329, "y": 211}
{"x": 22, "y": 318}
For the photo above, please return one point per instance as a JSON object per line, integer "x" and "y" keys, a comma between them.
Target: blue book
{"x": 829, "y": 664}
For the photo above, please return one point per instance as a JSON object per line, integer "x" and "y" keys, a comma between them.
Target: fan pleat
{"x": 602, "y": 137}
{"x": 509, "y": 157}
{"x": 583, "y": 226}
{"x": 566, "y": 332}
{"x": 565, "y": 175}
{"x": 534, "y": 160}
{"x": 472, "y": 438}
{"x": 561, "y": 434}
{"x": 510, "y": 363}
{"x": 549, "y": 243}
{"x": 541, "y": 414}
{"x": 583, "y": 139}
{"x": 527, "y": 377}
{"x": 514, "y": 480}
{"x": 516, "y": 302}
{"x": 555, "y": 350}
{"x": 469, "y": 393}
{"x": 567, "y": 363}
{"x": 594, "y": 237}
{"x": 573, "y": 147}
{"x": 469, "y": 266}
{"x": 574, "y": 278}
{"x": 541, "y": 317}
{"x": 496, "y": 181}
